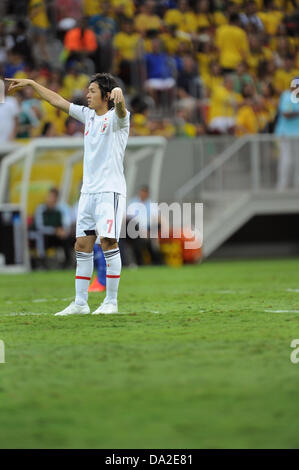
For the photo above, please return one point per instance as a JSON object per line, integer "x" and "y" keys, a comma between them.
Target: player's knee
{"x": 108, "y": 243}
{"x": 80, "y": 245}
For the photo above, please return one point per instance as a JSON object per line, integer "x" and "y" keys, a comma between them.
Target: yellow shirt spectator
{"x": 204, "y": 60}
{"x": 186, "y": 22}
{"x": 128, "y": 5}
{"x": 21, "y": 74}
{"x": 223, "y": 102}
{"x": 254, "y": 58}
{"x": 139, "y": 125}
{"x": 271, "y": 107}
{"x": 126, "y": 44}
{"x": 145, "y": 22}
{"x": 276, "y": 43}
{"x": 271, "y": 20}
{"x": 72, "y": 83}
{"x": 54, "y": 116}
{"x": 147, "y": 43}
{"x": 204, "y": 20}
{"x": 91, "y": 7}
{"x": 263, "y": 119}
{"x": 219, "y": 18}
{"x": 282, "y": 79}
{"x": 189, "y": 130}
{"x": 165, "y": 128}
{"x": 246, "y": 121}
{"x": 233, "y": 45}
{"x": 172, "y": 43}
{"x": 211, "y": 81}
{"x": 173, "y": 16}
{"x": 38, "y": 14}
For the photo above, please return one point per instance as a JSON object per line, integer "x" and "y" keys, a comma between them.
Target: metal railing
{"x": 252, "y": 163}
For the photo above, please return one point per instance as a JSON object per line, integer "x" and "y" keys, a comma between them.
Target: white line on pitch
{"x": 292, "y": 290}
{"x": 37, "y": 301}
{"x": 282, "y": 311}
{"x": 21, "y": 314}
{"x": 51, "y": 300}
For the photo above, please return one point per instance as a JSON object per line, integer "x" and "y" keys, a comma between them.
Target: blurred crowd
{"x": 53, "y": 225}
{"x": 187, "y": 68}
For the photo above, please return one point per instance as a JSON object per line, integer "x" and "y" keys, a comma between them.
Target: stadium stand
{"x": 213, "y": 72}
{"x": 182, "y": 49}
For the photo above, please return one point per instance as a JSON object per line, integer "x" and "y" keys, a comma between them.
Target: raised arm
{"x": 119, "y": 102}
{"x": 53, "y": 98}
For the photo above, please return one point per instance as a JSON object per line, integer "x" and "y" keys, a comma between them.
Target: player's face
{"x": 94, "y": 97}
{"x": 51, "y": 199}
{"x": 143, "y": 193}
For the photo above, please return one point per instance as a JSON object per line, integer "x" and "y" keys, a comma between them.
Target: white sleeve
{"x": 78, "y": 112}
{"x": 14, "y": 106}
{"x": 122, "y": 123}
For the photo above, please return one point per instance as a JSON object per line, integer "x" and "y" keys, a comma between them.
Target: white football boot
{"x": 73, "y": 309}
{"x": 106, "y": 307}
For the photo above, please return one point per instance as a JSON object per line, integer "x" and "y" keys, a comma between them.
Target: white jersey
{"x": 105, "y": 140}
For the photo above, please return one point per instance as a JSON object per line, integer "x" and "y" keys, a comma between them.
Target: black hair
{"x": 270, "y": 88}
{"x": 268, "y": 3}
{"x": 45, "y": 128}
{"x": 106, "y": 82}
{"x": 246, "y": 93}
{"x": 138, "y": 104}
{"x": 54, "y": 191}
{"x": 234, "y": 18}
{"x": 126, "y": 20}
{"x": 21, "y": 25}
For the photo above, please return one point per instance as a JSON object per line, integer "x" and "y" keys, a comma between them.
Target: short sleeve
{"x": 285, "y": 105}
{"x": 122, "y": 123}
{"x": 79, "y": 112}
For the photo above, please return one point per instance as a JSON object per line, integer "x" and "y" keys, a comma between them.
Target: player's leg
{"x": 112, "y": 208}
{"x": 85, "y": 239}
{"x": 113, "y": 268}
{"x": 84, "y": 269}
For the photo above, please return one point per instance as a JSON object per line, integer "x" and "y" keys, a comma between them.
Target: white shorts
{"x": 100, "y": 214}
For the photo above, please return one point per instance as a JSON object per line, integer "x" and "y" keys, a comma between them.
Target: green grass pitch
{"x": 199, "y": 359}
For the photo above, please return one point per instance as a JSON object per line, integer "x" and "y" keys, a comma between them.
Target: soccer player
{"x": 103, "y": 194}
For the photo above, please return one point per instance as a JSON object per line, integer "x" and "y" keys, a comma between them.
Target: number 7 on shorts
{"x": 109, "y": 222}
